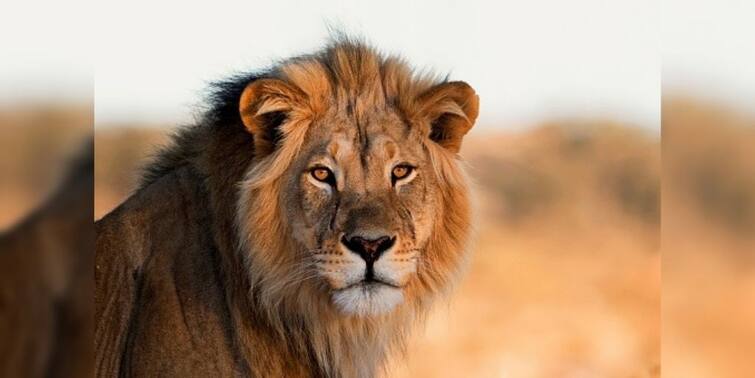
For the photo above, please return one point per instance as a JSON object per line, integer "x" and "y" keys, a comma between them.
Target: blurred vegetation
{"x": 565, "y": 160}
{"x": 710, "y": 154}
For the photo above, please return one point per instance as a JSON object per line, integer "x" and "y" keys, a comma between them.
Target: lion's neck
{"x": 321, "y": 344}
{"x": 358, "y": 347}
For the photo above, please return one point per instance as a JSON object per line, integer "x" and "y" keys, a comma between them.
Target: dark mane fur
{"x": 222, "y": 112}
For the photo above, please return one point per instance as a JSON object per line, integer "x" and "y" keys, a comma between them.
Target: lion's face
{"x": 364, "y": 200}
{"x": 356, "y": 200}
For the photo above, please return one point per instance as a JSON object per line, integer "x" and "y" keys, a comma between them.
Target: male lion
{"x": 315, "y": 213}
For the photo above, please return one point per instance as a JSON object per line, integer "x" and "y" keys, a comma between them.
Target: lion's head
{"x": 356, "y": 201}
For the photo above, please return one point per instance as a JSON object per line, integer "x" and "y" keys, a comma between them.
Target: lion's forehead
{"x": 376, "y": 146}
{"x": 381, "y": 137}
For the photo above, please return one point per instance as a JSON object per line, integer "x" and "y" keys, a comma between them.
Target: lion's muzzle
{"x": 368, "y": 249}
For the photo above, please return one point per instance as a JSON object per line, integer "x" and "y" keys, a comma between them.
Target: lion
{"x": 301, "y": 229}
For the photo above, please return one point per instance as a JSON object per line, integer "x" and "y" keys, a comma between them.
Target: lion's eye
{"x": 323, "y": 174}
{"x": 401, "y": 171}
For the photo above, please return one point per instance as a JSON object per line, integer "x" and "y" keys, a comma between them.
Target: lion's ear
{"x": 451, "y": 108}
{"x": 265, "y": 105}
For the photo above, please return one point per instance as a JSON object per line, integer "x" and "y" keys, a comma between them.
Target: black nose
{"x": 369, "y": 249}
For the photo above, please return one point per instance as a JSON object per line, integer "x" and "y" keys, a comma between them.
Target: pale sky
{"x": 45, "y": 51}
{"x": 709, "y": 51}
{"x": 149, "y": 61}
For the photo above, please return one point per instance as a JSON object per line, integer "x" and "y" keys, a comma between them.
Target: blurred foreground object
{"x": 708, "y": 240}
{"x": 46, "y": 282}
{"x": 37, "y": 140}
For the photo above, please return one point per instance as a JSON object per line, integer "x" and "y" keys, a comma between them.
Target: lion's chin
{"x": 368, "y": 299}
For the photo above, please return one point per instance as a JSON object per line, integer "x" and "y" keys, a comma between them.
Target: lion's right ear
{"x": 265, "y": 105}
{"x": 451, "y": 109}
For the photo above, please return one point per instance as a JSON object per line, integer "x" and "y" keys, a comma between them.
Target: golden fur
{"x": 287, "y": 280}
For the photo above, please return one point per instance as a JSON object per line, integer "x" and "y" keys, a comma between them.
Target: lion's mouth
{"x": 370, "y": 283}
{"x": 368, "y": 297}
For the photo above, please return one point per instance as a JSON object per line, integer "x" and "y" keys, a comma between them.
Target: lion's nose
{"x": 369, "y": 249}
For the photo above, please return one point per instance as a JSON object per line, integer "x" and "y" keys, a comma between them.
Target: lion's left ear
{"x": 265, "y": 105}
{"x": 452, "y": 109}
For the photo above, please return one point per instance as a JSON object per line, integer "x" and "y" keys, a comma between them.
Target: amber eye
{"x": 401, "y": 171}
{"x": 323, "y": 174}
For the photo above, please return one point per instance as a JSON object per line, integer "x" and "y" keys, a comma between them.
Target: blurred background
{"x": 578, "y": 99}
{"x": 708, "y": 221}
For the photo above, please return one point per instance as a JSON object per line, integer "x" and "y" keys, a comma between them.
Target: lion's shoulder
{"x": 157, "y": 285}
